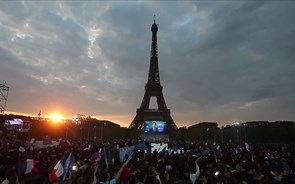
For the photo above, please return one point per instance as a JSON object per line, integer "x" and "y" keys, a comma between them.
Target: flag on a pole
{"x": 56, "y": 172}
{"x": 68, "y": 165}
{"x": 141, "y": 146}
{"x": 96, "y": 157}
{"x": 105, "y": 157}
{"x": 31, "y": 165}
{"x": 125, "y": 152}
{"x": 26, "y": 166}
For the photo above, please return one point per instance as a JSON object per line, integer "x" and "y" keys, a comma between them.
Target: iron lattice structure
{"x": 153, "y": 88}
{"x": 4, "y": 89}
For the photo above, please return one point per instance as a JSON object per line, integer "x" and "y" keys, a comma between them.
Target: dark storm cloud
{"x": 219, "y": 61}
{"x": 243, "y": 59}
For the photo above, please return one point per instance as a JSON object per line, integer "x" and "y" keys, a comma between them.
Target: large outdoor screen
{"x": 155, "y": 127}
{"x": 17, "y": 125}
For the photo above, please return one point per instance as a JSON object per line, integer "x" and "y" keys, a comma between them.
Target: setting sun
{"x": 56, "y": 117}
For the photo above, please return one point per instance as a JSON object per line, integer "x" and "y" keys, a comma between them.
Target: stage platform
{"x": 155, "y": 137}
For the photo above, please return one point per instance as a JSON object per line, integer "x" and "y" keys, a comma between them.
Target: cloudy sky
{"x": 219, "y": 61}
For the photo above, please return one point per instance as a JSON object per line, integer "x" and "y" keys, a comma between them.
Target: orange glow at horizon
{"x": 60, "y": 115}
{"x": 56, "y": 117}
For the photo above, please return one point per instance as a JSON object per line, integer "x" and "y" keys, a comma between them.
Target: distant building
{"x": 256, "y": 123}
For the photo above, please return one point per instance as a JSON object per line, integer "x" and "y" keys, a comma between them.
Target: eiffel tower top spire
{"x": 154, "y": 48}
{"x": 154, "y": 77}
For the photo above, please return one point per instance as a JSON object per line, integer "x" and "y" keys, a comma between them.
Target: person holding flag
{"x": 118, "y": 174}
{"x": 56, "y": 172}
{"x": 68, "y": 165}
{"x": 62, "y": 169}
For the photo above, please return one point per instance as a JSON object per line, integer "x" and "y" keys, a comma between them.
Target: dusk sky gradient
{"x": 219, "y": 61}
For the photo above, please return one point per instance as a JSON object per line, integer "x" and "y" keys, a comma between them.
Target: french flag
{"x": 96, "y": 157}
{"x": 32, "y": 140}
{"x": 26, "y": 166}
{"x": 31, "y": 166}
{"x": 56, "y": 172}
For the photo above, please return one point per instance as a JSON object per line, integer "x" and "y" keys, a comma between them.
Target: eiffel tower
{"x": 153, "y": 88}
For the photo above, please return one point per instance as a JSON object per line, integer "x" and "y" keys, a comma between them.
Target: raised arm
{"x": 118, "y": 174}
{"x": 195, "y": 175}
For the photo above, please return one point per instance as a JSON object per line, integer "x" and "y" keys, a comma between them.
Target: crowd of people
{"x": 180, "y": 163}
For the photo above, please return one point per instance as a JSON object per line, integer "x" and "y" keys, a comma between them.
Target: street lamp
{"x": 67, "y": 130}
{"x": 237, "y": 125}
{"x": 95, "y": 132}
{"x": 101, "y": 134}
{"x": 81, "y": 133}
{"x": 222, "y": 134}
{"x": 207, "y": 132}
{"x": 88, "y": 131}
{"x": 245, "y": 129}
